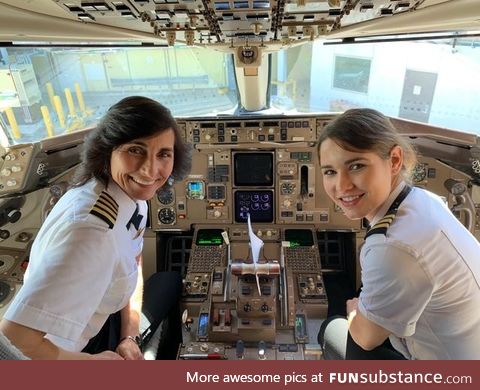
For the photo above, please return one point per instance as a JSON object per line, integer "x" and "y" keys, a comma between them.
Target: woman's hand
{"x": 129, "y": 350}
{"x": 106, "y": 355}
{"x": 352, "y": 305}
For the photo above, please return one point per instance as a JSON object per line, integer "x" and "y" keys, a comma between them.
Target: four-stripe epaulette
{"x": 105, "y": 208}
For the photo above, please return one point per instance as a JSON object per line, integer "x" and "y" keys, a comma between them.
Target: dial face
{"x": 419, "y": 173}
{"x": 166, "y": 216}
{"x": 165, "y": 196}
{"x": 287, "y": 188}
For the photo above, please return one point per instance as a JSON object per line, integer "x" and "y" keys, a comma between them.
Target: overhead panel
{"x": 234, "y": 22}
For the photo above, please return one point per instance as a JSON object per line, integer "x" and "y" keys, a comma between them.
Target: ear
{"x": 396, "y": 158}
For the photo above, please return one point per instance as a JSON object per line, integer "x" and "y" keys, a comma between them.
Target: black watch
{"x": 136, "y": 339}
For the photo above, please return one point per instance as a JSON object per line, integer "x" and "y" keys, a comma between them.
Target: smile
{"x": 143, "y": 182}
{"x": 349, "y": 201}
{"x": 350, "y": 198}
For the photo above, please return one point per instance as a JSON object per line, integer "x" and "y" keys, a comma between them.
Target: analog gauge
{"x": 287, "y": 188}
{"x": 165, "y": 196}
{"x": 419, "y": 173}
{"x": 166, "y": 216}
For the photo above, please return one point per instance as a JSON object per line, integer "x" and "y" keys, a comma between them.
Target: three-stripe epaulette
{"x": 105, "y": 208}
{"x": 382, "y": 226}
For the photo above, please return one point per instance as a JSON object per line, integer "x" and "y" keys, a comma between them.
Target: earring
{"x": 170, "y": 181}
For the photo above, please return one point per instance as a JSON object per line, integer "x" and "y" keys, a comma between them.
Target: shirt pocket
{"x": 118, "y": 293}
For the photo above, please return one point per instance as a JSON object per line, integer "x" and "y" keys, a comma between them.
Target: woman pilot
{"x": 82, "y": 295}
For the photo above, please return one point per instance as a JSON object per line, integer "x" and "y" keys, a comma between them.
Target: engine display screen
{"x": 299, "y": 237}
{"x": 258, "y": 203}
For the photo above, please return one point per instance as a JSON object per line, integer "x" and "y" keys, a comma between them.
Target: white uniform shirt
{"x": 422, "y": 280}
{"x": 82, "y": 267}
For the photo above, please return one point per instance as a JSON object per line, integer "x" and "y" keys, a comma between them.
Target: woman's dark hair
{"x": 364, "y": 129}
{"x": 131, "y": 118}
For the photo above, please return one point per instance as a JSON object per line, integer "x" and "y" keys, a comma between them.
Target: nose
{"x": 344, "y": 182}
{"x": 150, "y": 167}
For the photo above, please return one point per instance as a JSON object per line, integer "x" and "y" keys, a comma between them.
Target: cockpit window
{"x": 434, "y": 82}
{"x": 54, "y": 90}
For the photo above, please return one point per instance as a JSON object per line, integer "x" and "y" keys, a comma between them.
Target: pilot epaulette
{"x": 382, "y": 226}
{"x": 105, "y": 208}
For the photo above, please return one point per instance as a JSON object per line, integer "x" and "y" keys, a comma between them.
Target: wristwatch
{"x": 136, "y": 339}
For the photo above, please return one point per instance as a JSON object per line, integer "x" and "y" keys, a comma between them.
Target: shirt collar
{"x": 386, "y": 205}
{"x": 126, "y": 205}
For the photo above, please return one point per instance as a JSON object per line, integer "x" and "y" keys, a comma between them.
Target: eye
{"x": 356, "y": 166}
{"x": 135, "y": 150}
{"x": 165, "y": 154}
{"x": 328, "y": 172}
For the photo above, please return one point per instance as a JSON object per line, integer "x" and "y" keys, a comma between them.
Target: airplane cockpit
{"x": 264, "y": 254}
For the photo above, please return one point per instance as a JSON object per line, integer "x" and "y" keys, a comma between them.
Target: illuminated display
{"x": 207, "y": 237}
{"x": 258, "y": 203}
{"x": 202, "y": 330}
{"x": 195, "y": 190}
{"x": 299, "y": 237}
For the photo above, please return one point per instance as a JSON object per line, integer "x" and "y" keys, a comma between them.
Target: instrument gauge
{"x": 166, "y": 216}
{"x": 287, "y": 188}
{"x": 165, "y": 196}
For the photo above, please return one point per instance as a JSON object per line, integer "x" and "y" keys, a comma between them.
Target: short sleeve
{"x": 396, "y": 288}
{"x": 67, "y": 282}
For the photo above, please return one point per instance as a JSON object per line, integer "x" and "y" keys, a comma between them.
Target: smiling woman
{"x": 142, "y": 166}
{"x": 407, "y": 296}
{"x": 88, "y": 251}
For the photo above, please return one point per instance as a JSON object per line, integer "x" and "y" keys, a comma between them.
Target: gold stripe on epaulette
{"x": 105, "y": 208}
{"x": 108, "y": 199}
{"x": 384, "y": 220}
{"x": 371, "y": 232}
{"x": 381, "y": 225}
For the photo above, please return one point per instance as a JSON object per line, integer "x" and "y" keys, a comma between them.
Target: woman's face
{"x": 140, "y": 167}
{"x": 358, "y": 182}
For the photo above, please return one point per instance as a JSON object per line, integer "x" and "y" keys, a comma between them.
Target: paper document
{"x": 255, "y": 245}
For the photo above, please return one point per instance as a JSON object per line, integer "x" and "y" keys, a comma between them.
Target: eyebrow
{"x": 140, "y": 143}
{"x": 346, "y": 162}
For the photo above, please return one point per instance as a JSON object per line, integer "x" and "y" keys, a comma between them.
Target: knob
{"x": 217, "y": 213}
{"x": 269, "y": 233}
{"x": 264, "y": 308}
{"x": 204, "y": 347}
{"x": 4, "y": 234}
{"x": 207, "y": 137}
{"x": 14, "y": 215}
{"x": 240, "y": 349}
{"x": 16, "y": 168}
{"x": 247, "y": 307}
{"x": 259, "y": 233}
{"x": 11, "y": 182}
{"x": 10, "y": 157}
{"x": 261, "y": 349}
{"x": 6, "y": 172}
